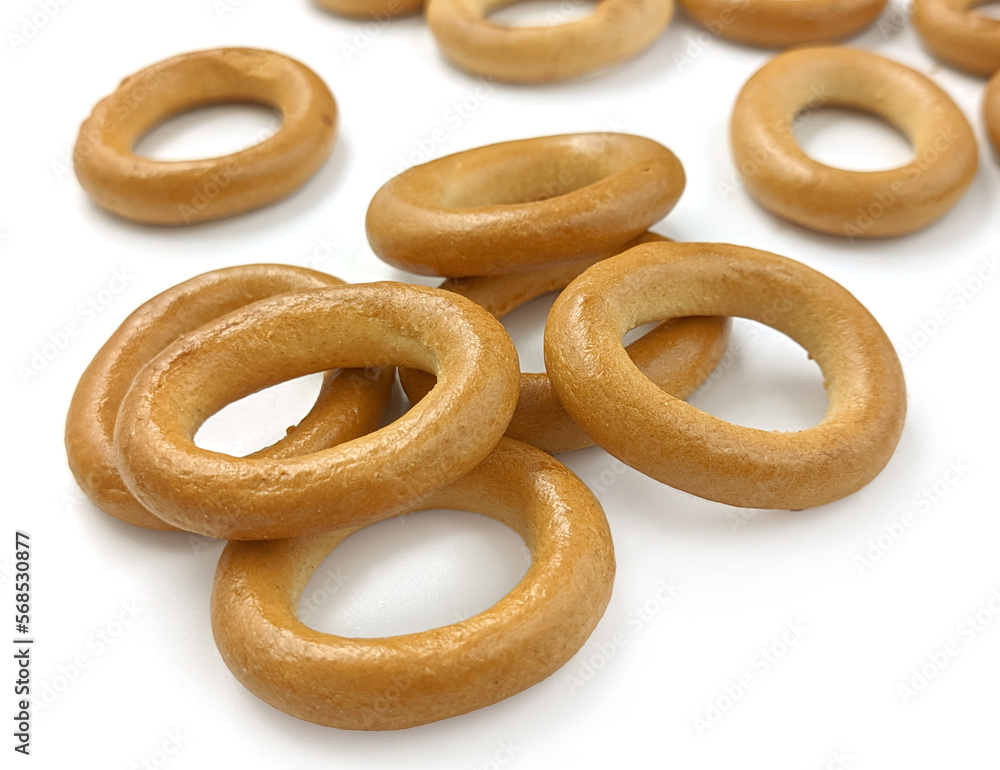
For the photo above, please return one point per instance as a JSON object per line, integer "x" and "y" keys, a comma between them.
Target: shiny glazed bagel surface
{"x": 678, "y": 444}
{"x": 402, "y": 681}
{"x": 957, "y": 35}
{"x": 617, "y": 30}
{"x": 348, "y": 405}
{"x": 855, "y": 204}
{"x": 355, "y": 483}
{"x": 187, "y": 191}
{"x": 677, "y": 355}
{"x": 526, "y": 204}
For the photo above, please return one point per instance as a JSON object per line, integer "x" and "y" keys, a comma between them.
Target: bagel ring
{"x": 395, "y": 682}
{"x": 780, "y": 23}
{"x": 525, "y": 204}
{"x": 787, "y": 182}
{"x": 187, "y": 191}
{"x": 379, "y": 10}
{"x": 679, "y": 445}
{"x": 957, "y": 35}
{"x": 991, "y": 110}
{"x": 616, "y": 31}
{"x": 677, "y": 355}
{"x": 348, "y": 406}
{"x": 357, "y": 482}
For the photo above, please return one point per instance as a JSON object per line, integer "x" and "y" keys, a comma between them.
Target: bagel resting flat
{"x": 402, "y": 681}
{"x": 522, "y": 205}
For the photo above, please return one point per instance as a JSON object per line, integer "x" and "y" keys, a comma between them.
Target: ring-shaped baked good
{"x": 677, "y": 355}
{"x": 349, "y": 405}
{"x": 402, "y": 681}
{"x": 678, "y": 444}
{"x": 186, "y": 191}
{"x": 616, "y": 31}
{"x": 855, "y": 204}
{"x": 524, "y": 204}
{"x": 357, "y": 482}
{"x": 957, "y": 35}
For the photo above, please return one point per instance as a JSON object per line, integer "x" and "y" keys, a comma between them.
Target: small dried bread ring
{"x": 183, "y": 192}
{"x": 957, "y": 35}
{"x": 396, "y": 682}
{"x": 616, "y": 31}
{"x": 780, "y": 23}
{"x": 677, "y": 355}
{"x": 379, "y": 10}
{"x": 354, "y": 483}
{"x": 672, "y": 441}
{"x": 350, "y": 404}
{"x": 787, "y": 182}
{"x": 991, "y": 110}
{"x": 514, "y": 206}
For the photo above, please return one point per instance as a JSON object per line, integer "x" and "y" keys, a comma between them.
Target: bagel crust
{"x": 855, "y": 204}
{"x": 522, "y": 205}
{"x": 676, "y": 443}
{"x": 358, "y": 482}
{"x": 677, "y": 355}
{"x": 957, "y": 35}
{"x": 187, "y": 191}
{"x": 616, "y": 31}
{"x": 350, "y": 403}
{"x": 397, "y": 682}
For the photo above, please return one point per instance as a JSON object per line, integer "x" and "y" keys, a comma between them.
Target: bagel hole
{"x": 990, "y": 10}
{"x": 525, "y": 179}
{"x": 526, "y": 327}
{"x": 413, "y": 573}
{"x": 540, "y": 13}
{"x": 765, "y": 380}
{"x": 849, "y": 139}
{"x": 261, "y": 418}
{"x": 209, "y": 132}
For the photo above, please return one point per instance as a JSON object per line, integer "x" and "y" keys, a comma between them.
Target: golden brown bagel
{"x": 380, "y": 10}
{"x": 957, "y": 35}
{"x": 781, "y": 23}
{"x": 674, "y": 442}
{"x": 787, "y": 182}
{"x": 349, "y": 405}
{"x": 991, "y": 110}
{"x": 677, "y": 355}
{"x": 355, "y": 483}
{"x": 616, "y": 31}
{"x": 396, "y": 682}
{"x": 525, "y": 204}
{"x": 187, "y": 191}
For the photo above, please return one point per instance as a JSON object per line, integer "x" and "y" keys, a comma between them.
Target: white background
{"x": 121, "y": 615}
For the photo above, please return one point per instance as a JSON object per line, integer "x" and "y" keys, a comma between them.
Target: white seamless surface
{"x": 734, "y": 638}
